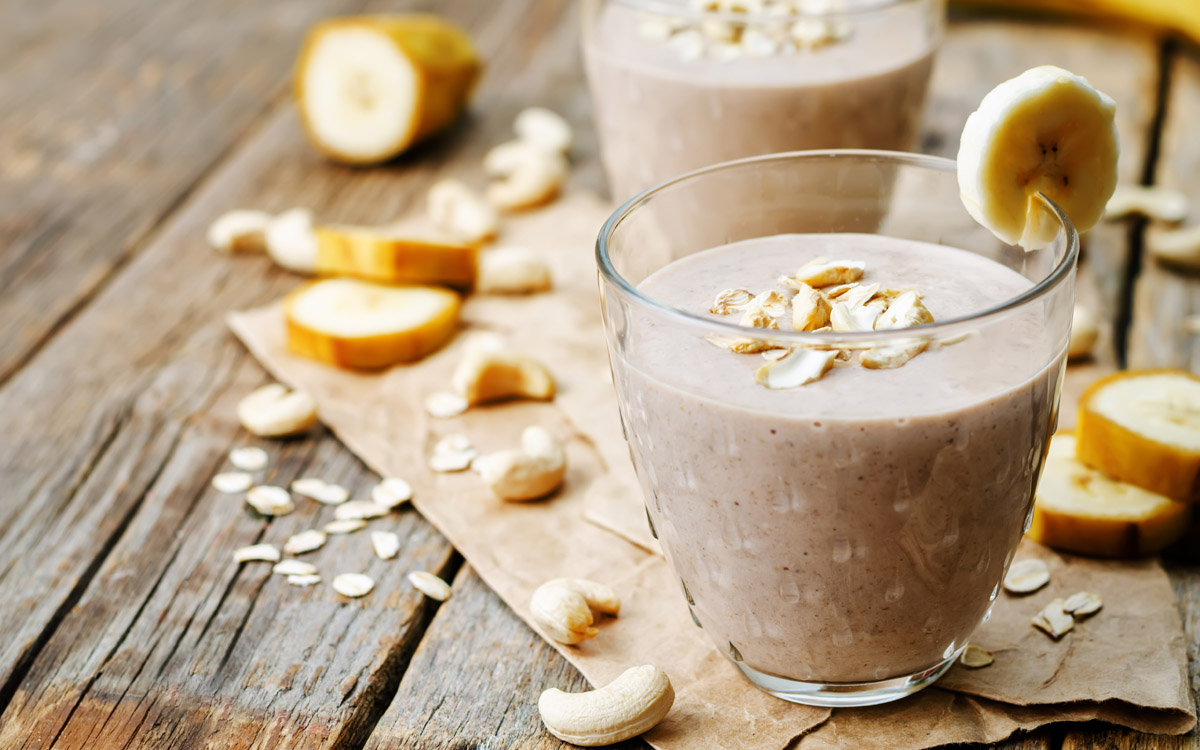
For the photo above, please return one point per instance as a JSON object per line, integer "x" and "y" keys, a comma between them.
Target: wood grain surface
{"x": 125, "y": 127}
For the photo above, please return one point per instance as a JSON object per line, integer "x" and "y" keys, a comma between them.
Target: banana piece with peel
{"x": 1046, "y": 131}
{"x": 363, "y": 326}
{"x": 369, "y": 87}
{"x": 395, "y": 258}
{"x": 1080, "y": 509}
{"x": 1143, "y": 427}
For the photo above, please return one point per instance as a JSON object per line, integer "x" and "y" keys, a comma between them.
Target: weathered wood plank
{"x": 125, "y": 620}
{"x": 475, "y": 680}
{"x": 982, "y": 50}
{"x": 110, "y": 113}
{"x": 1164, "y": 297}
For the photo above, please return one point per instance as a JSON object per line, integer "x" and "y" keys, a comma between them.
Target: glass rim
{"x": 853, "y": 339}
{"x": 850, "y": 8}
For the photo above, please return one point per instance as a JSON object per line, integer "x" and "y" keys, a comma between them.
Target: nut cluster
{"x": 771, "y": 28}
{"x": 827, "y": 296}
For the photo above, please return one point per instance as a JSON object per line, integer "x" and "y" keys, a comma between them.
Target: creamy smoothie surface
{"x": 660, "y": 113}
{"x": 856, "y": 528}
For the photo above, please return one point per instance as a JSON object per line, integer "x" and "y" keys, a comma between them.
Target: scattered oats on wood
{"x": 391, "y": 492}
{"x": 303, "y": 580}
{"x": 429, "y": 585}
{"x": 730, "y": 300}
{"x": 353, "y": 584}
{"x": 274, "y": 411}
{"x": 359, "y": 510}
{"x": 249, "y": 458}
{"x": 305, "y": 541}
{"x": 444, "y": 405}
{"x": 1082, "y": 604}
{"x": 344, "y": 527}
{"x": 270, "y": 500}
{"x": 321, "y": 491}
{"x": 1053, "y": 620}
{"x": 386, "y": 544}
{"x": 232, "y": 482}
{"x": 294, "y": 568}
{"x": 1026, "y": 576}
{"x": 1152, "y": 201}
{"x": 974, "y": 657}
{"x": 257, "y": 553}
{"x": 239, "y": 231}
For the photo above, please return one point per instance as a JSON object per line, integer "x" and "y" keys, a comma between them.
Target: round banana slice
{"x": 360, "y": 325}
{"x": 1045, "y": 131}
{"x": 368, "y": 87}
{"x": 1079, "y": 509}
{"x": 1143, "y": 427}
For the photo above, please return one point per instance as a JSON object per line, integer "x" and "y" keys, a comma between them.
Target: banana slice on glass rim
{"x": 1046, "y": 131}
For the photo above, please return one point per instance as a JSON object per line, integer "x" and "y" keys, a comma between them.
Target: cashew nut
{"x": 490, "y": 375}
{"x": 544, "y": 129}
{"x": 1084, "y": 333}
{"x": 563, "y": 608}
{"x": 239, "y": 232}
{"x": 512, "y": 270}
{"x": 529, "y": 175}
{"x": 1178, "y": 246}
{"x": 1152, "y": 201}
{"x": 628, "y": 706}
{"x": 292, "y": 242}
{"x": 456, "y": 208}
{"x": 534, "y": 471}
{"x": 274, "y": 411}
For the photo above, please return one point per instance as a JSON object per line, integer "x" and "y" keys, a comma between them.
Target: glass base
{"x": 843, "y": 694}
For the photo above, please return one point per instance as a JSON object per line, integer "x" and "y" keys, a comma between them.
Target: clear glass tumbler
{"x": 680, "y": 85}
{"x": 839, "y": 541}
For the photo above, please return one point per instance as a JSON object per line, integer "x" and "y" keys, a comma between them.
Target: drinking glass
{"x": 676, "y": 86}
{"x": 839, "y": 550}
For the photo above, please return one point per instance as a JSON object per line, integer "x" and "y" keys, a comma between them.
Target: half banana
{"x": 365, "y": 326}
{"x": 1143, "y": 427}
{"x": 395, "y": 258}
{"x": 1046, "y": 131}
{"x": 1079, "y": 509}
{"x": 368, "y": 87}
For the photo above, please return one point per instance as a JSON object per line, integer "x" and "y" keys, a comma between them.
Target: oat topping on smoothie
{"x": 770, "y": 28}
{"x": 828, "y": 297}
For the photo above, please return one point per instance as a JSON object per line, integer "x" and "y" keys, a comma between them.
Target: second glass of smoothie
{"x": 677, "y": 85}
{"x": 839, "y": 540}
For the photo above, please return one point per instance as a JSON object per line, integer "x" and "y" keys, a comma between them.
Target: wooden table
{"x": 125, "y": 127}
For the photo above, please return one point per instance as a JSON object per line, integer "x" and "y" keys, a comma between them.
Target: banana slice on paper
{"x": 364, "y": 326}
{"x": 395, "y": 258}
{"x": 1079, "y": 509}
{"x": 1143, "y": 427}
{"x": 368, "y": 87}
{"x": 1047, "y": 131}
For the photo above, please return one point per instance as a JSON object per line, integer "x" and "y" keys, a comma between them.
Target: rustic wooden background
{"x": 125, "y": 127}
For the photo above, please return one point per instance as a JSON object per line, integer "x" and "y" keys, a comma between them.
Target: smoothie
{"x": 856, "y": 528}
{"x": 663, "y": 108}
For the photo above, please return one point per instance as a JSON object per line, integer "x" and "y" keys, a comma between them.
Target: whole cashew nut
{"x": 563, "y": 608}
{"x": 534, "y": 471}
{"x": 493, "y": 374}
{"x": 529, "y": 176}
{"x": 628, "y": 706}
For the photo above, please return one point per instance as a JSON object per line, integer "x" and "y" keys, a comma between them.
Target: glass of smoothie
{"x": 678, "y": 85}
{"x": 840, "y": 517}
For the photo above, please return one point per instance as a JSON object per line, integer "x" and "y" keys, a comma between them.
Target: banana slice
{"x": 1047, "y": 131}
{"x": 365, "y": 326}
{"x": 368, "y": 87}
{"x": 1143, "y": 427}
{"x": 381, "y": 255}
{"x": 1079, "y": 509}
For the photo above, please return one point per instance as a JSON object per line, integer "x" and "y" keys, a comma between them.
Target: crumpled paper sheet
{"x": 1125, "y": 665}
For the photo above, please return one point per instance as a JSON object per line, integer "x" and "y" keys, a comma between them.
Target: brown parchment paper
{"x": 1125, "y": 665}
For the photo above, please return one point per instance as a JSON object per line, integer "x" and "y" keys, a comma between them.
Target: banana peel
{"x": 1178, "y": 16}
